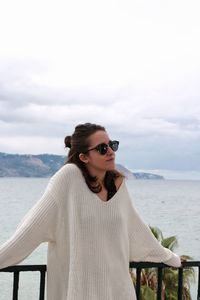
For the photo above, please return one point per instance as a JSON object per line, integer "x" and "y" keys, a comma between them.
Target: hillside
{"x": 45, "y": 165}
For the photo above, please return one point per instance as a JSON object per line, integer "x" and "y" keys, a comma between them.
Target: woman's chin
{"x": 110, "y": 166}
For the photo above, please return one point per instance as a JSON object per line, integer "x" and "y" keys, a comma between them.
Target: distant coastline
{"x": 45, "y": 165}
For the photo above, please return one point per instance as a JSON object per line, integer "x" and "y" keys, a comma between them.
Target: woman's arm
{"x": 143, "y": 244}
{"x": 38, "y": 226}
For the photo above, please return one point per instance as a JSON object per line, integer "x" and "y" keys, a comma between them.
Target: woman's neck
{"x": 98, "y": 173}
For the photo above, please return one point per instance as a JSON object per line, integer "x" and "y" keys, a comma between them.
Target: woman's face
{"x": 96, "y": 161}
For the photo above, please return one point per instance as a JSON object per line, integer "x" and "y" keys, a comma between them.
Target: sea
{"x": 171, "y": 205}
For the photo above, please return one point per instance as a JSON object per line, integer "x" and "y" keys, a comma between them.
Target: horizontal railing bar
{"x": 25, "y": 268}
{"x": 162, "y": 265}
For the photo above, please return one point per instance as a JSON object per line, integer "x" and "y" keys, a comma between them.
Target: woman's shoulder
{"x": 118, "y": 181}
{"x": 68, "y": 170}
{"x": 67, "y": 177}
{"x": 69, "y": 167}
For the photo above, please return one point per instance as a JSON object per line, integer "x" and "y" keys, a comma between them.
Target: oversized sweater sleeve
{"x": 37, "y": 226}
{"x": 144, "y": 246}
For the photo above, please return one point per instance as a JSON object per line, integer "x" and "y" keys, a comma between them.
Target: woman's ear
{"x": 83, "y": 158}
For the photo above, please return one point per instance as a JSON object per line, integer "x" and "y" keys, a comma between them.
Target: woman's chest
{"x": 103, "y": 195}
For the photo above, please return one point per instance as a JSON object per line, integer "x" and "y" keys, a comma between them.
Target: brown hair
{"x": 78, "y": 143}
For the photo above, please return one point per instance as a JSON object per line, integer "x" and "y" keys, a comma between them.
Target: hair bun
{"x": 67, "y": 141}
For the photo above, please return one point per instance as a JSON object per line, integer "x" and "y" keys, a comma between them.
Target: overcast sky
{"x": 132, "y": 66}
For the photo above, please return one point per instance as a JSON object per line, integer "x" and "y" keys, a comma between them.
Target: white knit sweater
{"x": 90, "y": 242}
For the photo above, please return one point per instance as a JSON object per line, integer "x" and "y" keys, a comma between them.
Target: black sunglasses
{"x": 103, "y": 148}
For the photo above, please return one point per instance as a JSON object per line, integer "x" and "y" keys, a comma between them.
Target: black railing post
{"x": 42, "y": 285}
{"x": 159, "y": 287}
{"x": 198, "y": 289}
{"x": 138, "y": 280}
{"x": 180, "y": 283}
{"x": 15, "y": 285}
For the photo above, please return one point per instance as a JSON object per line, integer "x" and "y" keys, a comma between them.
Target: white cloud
{"x": 113, "y": 41}
{"x": 132, "y": 66}
{"x": 32, "y": 144}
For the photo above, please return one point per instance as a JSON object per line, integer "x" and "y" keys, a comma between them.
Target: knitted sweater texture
{"x": 90, "y": 242}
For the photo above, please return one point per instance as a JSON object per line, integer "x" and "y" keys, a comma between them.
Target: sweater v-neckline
{"x": 98, "y": 199}
{"x": 108, "y": 202}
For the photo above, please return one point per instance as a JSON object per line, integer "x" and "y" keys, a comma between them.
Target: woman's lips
{"x": 111, "y": 159}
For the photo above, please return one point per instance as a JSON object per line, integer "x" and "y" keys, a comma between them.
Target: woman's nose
{"x": 110, "y": 151}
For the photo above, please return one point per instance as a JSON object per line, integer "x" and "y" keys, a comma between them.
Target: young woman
{"x": 92, "y": 229}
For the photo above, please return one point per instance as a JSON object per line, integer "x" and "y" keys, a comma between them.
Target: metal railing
{"x": 26, "y": 268}
{"x": 159, "y": 267}
{"x": 133, "y": 265}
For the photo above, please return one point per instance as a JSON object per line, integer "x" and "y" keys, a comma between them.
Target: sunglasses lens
{"x": 114, "y": 145}
{"x": 102, "y": 148}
